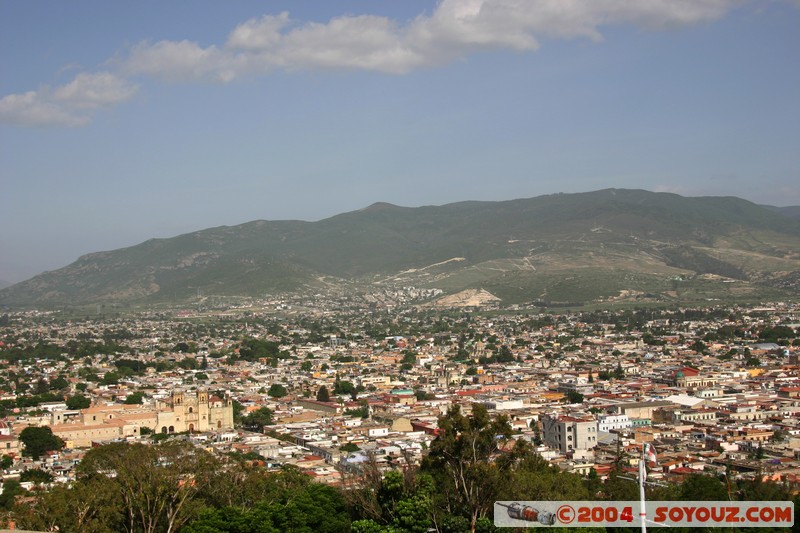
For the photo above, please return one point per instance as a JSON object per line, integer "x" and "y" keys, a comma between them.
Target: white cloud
{"x": 69, "y": 105}
{"x": 93, "y": 91}
{"x": 34, "y": 108}
{"x": 455, "y": 29}
{"x": 258, "y": 46}
{"x": 259, "y": 34}
{"x": 364, "y": 42}
{"x": 182, "y": 61}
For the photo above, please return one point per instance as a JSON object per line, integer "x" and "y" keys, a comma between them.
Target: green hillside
{"x": 563, "y": 247}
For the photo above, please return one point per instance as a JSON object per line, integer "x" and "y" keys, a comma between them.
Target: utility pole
{"x": 642, "y": 478}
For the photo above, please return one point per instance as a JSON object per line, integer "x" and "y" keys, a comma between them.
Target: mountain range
{"x": 561, "y": 249}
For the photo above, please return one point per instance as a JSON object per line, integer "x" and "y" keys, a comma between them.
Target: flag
{"x": 650, "y": 453}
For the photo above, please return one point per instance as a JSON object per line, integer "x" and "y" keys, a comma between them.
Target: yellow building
{"x": 193, "y": 412}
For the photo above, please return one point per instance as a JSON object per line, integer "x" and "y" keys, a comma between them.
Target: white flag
{"x": 650, "y": 453}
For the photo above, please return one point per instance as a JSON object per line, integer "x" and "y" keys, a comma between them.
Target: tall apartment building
{"x": 568, "y": 433}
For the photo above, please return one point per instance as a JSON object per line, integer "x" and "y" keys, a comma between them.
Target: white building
{"x": 606, "y": 423}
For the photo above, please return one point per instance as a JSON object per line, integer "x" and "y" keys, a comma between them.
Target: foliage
{"x": 36, "y": 475}
{"x": 277, "y": 390}
{"x": 700, "y": 487}
{"x": 238, "y": 409}
{"x": 395, "y": 502}
{"x": 35, "y": 400}
{"x": 133, "y": 366}
{"x": 59, "y": 383}
{"x": 343, "y": 387}
{"x": 154, "y": 485}
{"x": 358, "y": 412}
{"x": 11, "y": 489}
{"x": 79, "y": 401}
{"x": 256, "y": 420}
{"x": 110, "y": 378}
{"x": 422, "y": 395}
{"x": 462, "y": 461}
{"x": 253, "y": 349}
{"x": 776, "y": 333}
{"x": 323, "y": 395}
{"x": 574, "y": 397}
{"x": 38, "y": 440}
{"x": 84, "y": 507}
{"x": 243, "y": 485}
{"x": 314, "y": 508}
{"x": 135, "y": 398}
{"x": 6, "y": 462}
{"x": 752, "y": 362}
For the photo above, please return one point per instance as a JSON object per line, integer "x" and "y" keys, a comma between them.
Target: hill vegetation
{"x": 585, "y": 247}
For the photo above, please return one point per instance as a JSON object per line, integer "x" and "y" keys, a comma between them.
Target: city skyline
{"x": 121, "y": 123}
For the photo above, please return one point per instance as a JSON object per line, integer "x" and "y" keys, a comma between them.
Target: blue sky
{"x": 123, "y": 121}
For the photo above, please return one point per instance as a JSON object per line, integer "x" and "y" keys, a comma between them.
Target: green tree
{"x": 6, "y": 462}
{"x": 593, "y": 484}
{"x": 462, "y": 461}
{"x": 59, "y": 383}
{"x": 699, "y": 487}
{"x": 79, "y": 401}
{"x": 314, "y": 508}
{"x": 537, "y": 433}
{"x": 42, "y": 387}
{"x": 86, "y": 506}
{"x": 256, "y": 420}
{"x": 780, "y": 435}
{"x": 752, "y": 362}
{"x": 156, "y": 485}
{"x": 574, "y": 397}
{"x": 11, "y": 489}
{"x": 110, "y": 378}
{"x": 358, "y": 412}
{"x": 698, "y": 346}
{"x": 37, "y": 475}
{"x": 238, "y": 409}
{"x": 277, "y": 390}
{"x": 244, "y": 485}
{"x": 398, "y": 501}
{"x": 539, "y": 480}
{"x": 181, "y": 347}
{"x": 189, "y": 363}
{"x": 323, "y": 395}
{"x": 38, "y": 440}
{"x": 135, "y": 398}
{"x": 343, "y": 387}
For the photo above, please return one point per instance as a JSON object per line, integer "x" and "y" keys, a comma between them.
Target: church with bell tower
{"x": 194, "y": 411}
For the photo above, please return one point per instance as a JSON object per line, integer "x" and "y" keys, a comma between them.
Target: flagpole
{"x": 642, "y": 477}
